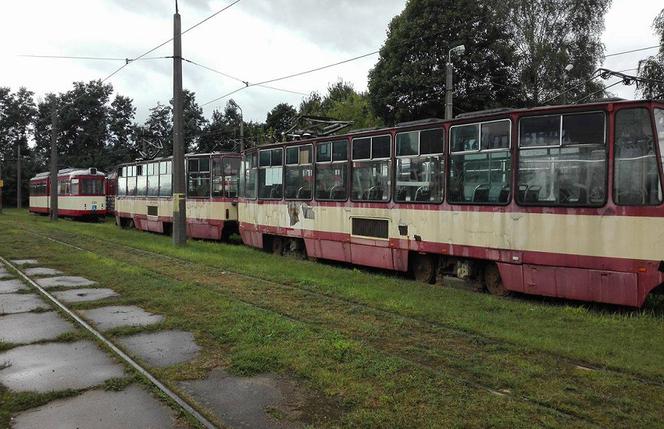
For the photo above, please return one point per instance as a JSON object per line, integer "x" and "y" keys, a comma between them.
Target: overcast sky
{"x": 255, "y": 40}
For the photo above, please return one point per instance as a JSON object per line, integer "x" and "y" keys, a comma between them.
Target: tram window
{"x": 420, "y": 172}
{"x": 270, "y": 176}
{"x": 249, "y": 176}
{"x": 299, "y": 173}
{"x": 324, "y": 152}
{"x": 141, "y": 181}
{"x": 636, "y": 176}
{"x": 90, "y": 186}
{"x": 495, "y": 135}
{"x": 153, "y": 179}
{"x": 217, "y": 178}
{"x": 371, "y": 177}
{"x": 231, "y": 171}
{"x": 539, "y": 131}
{"x": 362, "y": 148}
{"x": 165, "y": 179}
{"x": 563, "y": 169}
{"x": 659, "y": 122}
{"x": 465, "y": 138}
{"x": 480, "y": 170}
{"x": 332, "y": 171}
{"x": 131, "y": 180}
{"x": 63, "y": 187}
{"x": 198, "y": 178}
{"x": 73, "y": 188}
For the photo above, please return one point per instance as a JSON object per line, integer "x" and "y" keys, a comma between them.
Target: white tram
{"x": 145, "y": 195}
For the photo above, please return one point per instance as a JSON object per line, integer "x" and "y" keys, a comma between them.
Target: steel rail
{"x": 122, "y": 355}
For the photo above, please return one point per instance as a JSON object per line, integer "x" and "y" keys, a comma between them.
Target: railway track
{"x": 114, "y": 349}
{"x": 461, "y": 379}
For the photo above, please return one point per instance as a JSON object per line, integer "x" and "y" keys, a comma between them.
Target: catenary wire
{"x": 171, "y": 39}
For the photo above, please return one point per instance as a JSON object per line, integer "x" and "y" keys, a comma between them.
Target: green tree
{"x": 121, "y": 128}
{"x": 17, "y": 113}
{"x": 408, "y": 81}
{"x": 279, "y": 119}
{"x": 83, "y": 125}
{"x": 652, "y": 68}
{"x": 550, "y": 34}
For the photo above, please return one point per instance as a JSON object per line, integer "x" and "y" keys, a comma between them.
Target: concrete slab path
{"x": 26, "y": 328}
{"x": 20, "y": 303}
{"x": 84, "y": 295}
{"x": 11, "y": 286}
{"x": 163, "y": 348}
{"x": 130, "y": 408}
{"x": 57, "y": 366}
{"x": 116, "y": 316}
{"x": 64, "y": 281}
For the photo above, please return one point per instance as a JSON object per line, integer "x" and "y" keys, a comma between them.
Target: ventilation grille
{"x": 153, "y": 211}
{"x": 370, "y": 227}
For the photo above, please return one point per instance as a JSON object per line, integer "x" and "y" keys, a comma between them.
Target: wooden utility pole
{"x": 54, "y": 165}
{"x": 179, "y": 202}
{"x": 19, "y": 179}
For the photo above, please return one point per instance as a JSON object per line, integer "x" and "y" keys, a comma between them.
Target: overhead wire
{"x": 170, "y": 40}
{"x": 238, "y": 79}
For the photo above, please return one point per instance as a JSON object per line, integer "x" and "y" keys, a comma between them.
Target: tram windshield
{"x": 91, "y": 186}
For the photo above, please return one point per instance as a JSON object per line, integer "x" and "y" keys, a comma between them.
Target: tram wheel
{"x": 493, "y": 282}
{"x": 277, "y": 246}
{"x": 424, "y": 268}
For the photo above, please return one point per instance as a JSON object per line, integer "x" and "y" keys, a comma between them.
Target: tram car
{"x": 81, "y": 193}
{"x": 561, "y": 201}
{"x": 145, "y": 196}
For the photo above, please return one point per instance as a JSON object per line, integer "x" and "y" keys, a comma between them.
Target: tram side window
{"x": 636, "y": 175}
{"x": 153, "y": 179}
{"x": 270, "y": 174}
{"x": 563, "y": 169}
{"x": 299, "y": 172}
{"x": 332, "y": 171}
{"x": 480, "y": 163}
{"x": 63, "y": 187}
{"x": 141, "y": 180}
{"x": 371, "y": 169}
{"x": 122, "y": 181}
{"x": 248, "y": 176}
{"x": 225, "y": 177}
{"x": 198, "y": 177}
{"x": 659, "y": 122}
{"x": 74, "y": 187}
{"x": 420, "y": 166}
{"x": 165, "y": 179}
{"x": 131, "y": 180}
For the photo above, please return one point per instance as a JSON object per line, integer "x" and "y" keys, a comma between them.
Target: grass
{"x": 375, "y": 349}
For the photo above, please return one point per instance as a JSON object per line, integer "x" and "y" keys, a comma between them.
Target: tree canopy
{"x": 652, "y": 68}
{"x": 515, "y": 55}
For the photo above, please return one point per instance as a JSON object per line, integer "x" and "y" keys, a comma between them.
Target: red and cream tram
{"x": 561, "y": 201}
{"x": 81, "y": 193}
{"x": 145, "y": 197}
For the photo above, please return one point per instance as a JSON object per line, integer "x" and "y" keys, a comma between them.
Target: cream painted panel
{"x": 606, "y": 236}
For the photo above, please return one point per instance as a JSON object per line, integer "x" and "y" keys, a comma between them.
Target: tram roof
{"x": 72, "y": 172}
{"x": 467, "y": 117}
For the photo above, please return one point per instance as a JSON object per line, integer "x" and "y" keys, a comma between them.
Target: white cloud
{"x": 254, "y": 40}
